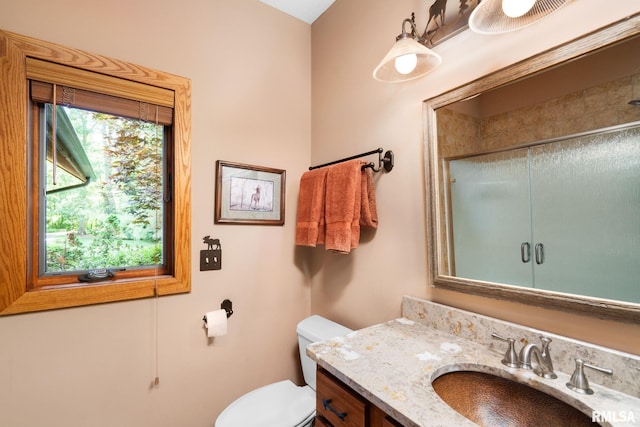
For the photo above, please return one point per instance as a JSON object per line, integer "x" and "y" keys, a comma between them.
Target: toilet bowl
{"x": 284, "y": 404}
{"x": 281, "y": 404}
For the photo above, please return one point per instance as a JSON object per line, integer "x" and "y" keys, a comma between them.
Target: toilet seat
{"x": 281, "y": 404}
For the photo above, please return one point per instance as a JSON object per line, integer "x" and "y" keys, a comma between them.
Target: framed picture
{"x": 247, "y": 194}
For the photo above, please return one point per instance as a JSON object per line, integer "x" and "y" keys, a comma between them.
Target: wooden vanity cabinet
{"x": 337, "y": 405}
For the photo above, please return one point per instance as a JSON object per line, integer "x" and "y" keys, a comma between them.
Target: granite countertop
{"x": 393, "y": 364}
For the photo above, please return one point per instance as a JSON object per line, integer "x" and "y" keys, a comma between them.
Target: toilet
{"x": 284, "y": 404}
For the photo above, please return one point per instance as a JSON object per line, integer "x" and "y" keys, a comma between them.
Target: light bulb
{"x": 406, "y": 63}
{"x": 516, "y": 8}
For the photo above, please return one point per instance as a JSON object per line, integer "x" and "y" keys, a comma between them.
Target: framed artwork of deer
{"x": 247, "y": 194}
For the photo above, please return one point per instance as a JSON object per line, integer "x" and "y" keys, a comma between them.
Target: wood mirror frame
{"x": 595, "y": 307}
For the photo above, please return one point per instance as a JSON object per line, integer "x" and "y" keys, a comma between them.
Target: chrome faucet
{"x": 544, "y": 365}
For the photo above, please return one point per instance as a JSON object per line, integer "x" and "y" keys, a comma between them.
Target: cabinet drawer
{"x": 336, "y": 403}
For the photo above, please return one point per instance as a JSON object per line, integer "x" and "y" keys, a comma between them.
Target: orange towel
{"x": 343, "y": 206}
{"x": 311, "y": 200}
{"x": 369, "y": 210}
{"x": 333, "y": 204}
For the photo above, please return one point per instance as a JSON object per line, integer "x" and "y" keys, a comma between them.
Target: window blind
{"x": 97, "y": 92}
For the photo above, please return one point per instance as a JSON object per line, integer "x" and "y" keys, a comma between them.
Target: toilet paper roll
{"x": 216, "y": 323}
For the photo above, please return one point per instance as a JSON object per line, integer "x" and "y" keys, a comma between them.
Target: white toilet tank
{"x": 314, "y": 329}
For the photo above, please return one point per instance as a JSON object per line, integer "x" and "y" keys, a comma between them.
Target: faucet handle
{"x": 545, "y": 351}
{"x": 510, "y": 357}
{"x": 545, "y": 368}
{"x": 545, "y": 342}
{"x": 579, "y": 382}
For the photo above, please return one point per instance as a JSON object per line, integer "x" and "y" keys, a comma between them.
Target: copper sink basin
{"x": 490, "y": 400}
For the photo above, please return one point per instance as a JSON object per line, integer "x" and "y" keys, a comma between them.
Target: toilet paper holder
{"x": 227, "y": 306}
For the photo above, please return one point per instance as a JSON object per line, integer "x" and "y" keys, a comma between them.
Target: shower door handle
{"x": 525, "y": 252}
{"x": 539, "y": 253}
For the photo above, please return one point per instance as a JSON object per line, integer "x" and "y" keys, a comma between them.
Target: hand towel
{"x": 343, "y": 206}
{"x": 369, "y": 210}
{"x": 311, "y": 201}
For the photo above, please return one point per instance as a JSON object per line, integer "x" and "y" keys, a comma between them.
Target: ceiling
{"x": 305, "y": 10}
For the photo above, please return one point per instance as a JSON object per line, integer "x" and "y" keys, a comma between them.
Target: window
{"x": 106, "y": 167}
{"x": 101, "y": 195}
{"x": 100, "y": 171}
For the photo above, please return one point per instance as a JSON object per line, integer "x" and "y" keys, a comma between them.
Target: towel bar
{"x": 385, "y": 161}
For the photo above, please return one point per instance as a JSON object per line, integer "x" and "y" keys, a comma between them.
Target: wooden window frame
{"x": 16, "y": 295}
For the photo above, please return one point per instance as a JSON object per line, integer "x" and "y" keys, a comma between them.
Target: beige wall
{"x": 353, "y": 113}
{"x": 251, "y": 86}
{"x": 253, "y": 99}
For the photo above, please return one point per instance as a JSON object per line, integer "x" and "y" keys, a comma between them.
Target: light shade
{"x": 426, "y": 61}
{"x": 490, "y": 16}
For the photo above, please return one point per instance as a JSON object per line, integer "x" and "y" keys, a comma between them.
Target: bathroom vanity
{"x": 382, "y": 375}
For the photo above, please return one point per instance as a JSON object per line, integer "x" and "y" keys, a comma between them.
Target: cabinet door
{"x": 490, "y": 217}
{"x": 586, "y": 213}
{"x": 337, "y": 404}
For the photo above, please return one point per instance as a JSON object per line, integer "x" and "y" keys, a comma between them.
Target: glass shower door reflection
{"x": 586, "y": 213}
{"x": 490, "y": 233}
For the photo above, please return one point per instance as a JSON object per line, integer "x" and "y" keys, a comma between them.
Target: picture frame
{"x": 248, "y": 194}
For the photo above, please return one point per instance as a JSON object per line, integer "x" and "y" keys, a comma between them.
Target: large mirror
{"x": 534, "y": 179}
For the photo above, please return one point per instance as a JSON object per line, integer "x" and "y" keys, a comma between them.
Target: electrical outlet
{"x": 210, "y": 260}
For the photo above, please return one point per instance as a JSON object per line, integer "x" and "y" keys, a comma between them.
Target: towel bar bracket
{"x": 387, "y": 161}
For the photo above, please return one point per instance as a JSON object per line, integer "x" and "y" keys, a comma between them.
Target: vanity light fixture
{"x": 408, "y": 59}
{"x": 502, "y": 16}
